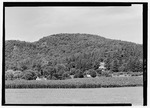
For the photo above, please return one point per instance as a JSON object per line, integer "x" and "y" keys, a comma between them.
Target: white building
{"x": 71, "y": 76}
{"x": 42, "y": 78}
{"x": 102, "y": 66}
{"x": 88, "y": 76}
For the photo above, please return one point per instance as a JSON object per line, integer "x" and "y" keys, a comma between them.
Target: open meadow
{"x": 77, "y": 83}
{"x": 100, "y": 90}
{"x": 133, "y": 95}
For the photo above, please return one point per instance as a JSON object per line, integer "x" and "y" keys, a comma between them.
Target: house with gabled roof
{"x": 102, "y": 66}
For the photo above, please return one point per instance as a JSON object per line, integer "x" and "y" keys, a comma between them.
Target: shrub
{"x": 48, "y": 71}
{"x": 9, "y": 75}
{"x": 18, "y": 75}
{"x": 37, "y": 65}
{"x": 78, "y": 74}
{"x": 71, "y": 65}
{"x": 54, "y": 78}
{"x": 72, "y": 71}
{"x": 60, "y": 70}
{"x": 29, "y": 75}
{"x": 23, "y": 67}
{"x": 51, "y": 77}
{"x": 57, "y": 76}
{"x": 92, "y": 72}
{"x": 99, "y": 71}
{"x": 60, "y": 67}
{"x": 106, "y": 74}
{"x": 14, "y": 68}
{"x": 65, "y": 75}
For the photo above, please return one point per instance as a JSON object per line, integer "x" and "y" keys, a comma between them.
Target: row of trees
{"x": 114, "y": 62}
{"x": 77, "y": 65}
{"x": 58, "y": 72}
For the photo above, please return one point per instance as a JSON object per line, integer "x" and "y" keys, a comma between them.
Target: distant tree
{"x": 92, "y": 72}
{"x": 65, "y": 75}
{"x": 108, "y": 62}
{"x": 37, "y": 66}
{"x": 78, "y": 74}
{"x": 60, "y": 67}
{"x": 13, "y": 67}
{"x": 99, "y": 71}
{"x": 114, "y": 66}
{"x": 9, "y": 75}
{"x": 12, "y": 75}
{"x": 72, "y": 71}
{"x": 106, "y": 73}
{"x": 71, "y": 65}
{"x": 50, "y": 63}
{"x": 135, "y": 65}
{"x": 24, "y": 64}
{"x": 56, "y": 76}
{"x": 96, "y": 65}
{"x": 123, "y": 68}
{"x": 48, "y": 71}
{"x": 18, "y": 75}
{"x": 7, "y": 65}
{"x": 29, "y": 75}
{"x": 23, "y": 67}
{"x": 60, "y": 73}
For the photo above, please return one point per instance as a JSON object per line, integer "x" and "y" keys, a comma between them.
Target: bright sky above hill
{"x": 32, "y": 23}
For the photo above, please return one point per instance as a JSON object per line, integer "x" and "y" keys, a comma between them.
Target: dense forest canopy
{"x": 73, "y": 51}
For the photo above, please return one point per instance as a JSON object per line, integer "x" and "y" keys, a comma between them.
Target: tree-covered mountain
{"x": 79, "y": 51}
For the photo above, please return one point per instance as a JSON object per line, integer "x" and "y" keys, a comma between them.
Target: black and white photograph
{"x": 77, "y": 53}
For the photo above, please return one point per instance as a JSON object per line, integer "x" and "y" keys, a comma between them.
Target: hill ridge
{"x": 58, "y": 48}
{"x": 58, "y": 34}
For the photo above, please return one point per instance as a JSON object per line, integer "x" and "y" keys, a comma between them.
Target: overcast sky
{"x": 32, "y": 23}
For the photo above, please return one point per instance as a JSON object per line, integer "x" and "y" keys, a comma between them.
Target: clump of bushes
{"x": 72, "y": 71}
{"x": 11, "y": 75}
{"x": 29, "y": 75}
{"x": 92, "y": 72}
{"x": 78, "y": 74}
{"x": 66, "y": 75}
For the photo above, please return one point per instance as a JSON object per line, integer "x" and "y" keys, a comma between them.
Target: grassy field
{"x": 133, "y": 95}
{"x": 77, "y": 83}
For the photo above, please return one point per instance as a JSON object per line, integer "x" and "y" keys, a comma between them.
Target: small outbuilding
{"x": 102, "y": 66}
{"x": 41, "y": 78}
{"x": 71, "y": 76}
{"x": 88, "y": 75}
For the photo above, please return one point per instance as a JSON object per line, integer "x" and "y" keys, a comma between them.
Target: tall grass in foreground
{"x": 77, "y": 83}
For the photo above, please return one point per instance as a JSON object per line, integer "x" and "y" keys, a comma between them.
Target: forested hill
{"x": 81, "y": 51}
